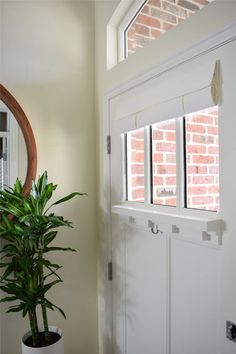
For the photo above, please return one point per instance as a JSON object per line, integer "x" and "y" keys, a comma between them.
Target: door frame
{"x": 209, "y": 44}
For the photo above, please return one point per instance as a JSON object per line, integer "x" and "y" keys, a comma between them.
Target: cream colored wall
{"x": 214, "y": 17}
{"x": 47, "y": 62}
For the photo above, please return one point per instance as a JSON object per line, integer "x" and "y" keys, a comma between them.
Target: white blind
{"x": 204, "y": 92}
{"x": 126, "y": 124}
{"x": 204, "y": 97}
{"x": 163, "y": 111}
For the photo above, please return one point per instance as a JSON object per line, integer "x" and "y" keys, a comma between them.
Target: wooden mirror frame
{"x": 7, "y": 98}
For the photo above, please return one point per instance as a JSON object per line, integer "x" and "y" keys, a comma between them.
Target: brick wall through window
{"x": 202, "y": 159}
{"x": 156, "y": 17}
{"x": 202, "y": 162}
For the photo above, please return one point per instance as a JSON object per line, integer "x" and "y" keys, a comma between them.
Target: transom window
{"x": 179, "y": 159}
{"x": 151, "y": 18}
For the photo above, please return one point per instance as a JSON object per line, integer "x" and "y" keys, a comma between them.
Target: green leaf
{"x": 9, "y": 298}
{"x": 42, "y": 182}
{"x": 15, "y": 309}
{"x": 49, "y": 286}
{"x": 49, "y": 237}
{"x": 49, "y": 249}
{"x": 68, "y": 197}
{"x": 51, "y": 305}
{"x": 18, "y": 188}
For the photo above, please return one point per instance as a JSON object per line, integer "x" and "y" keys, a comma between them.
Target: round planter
{"x": 56, "y": 348}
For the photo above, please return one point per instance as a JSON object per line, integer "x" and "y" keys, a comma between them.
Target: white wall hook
{"x": 155, "y": 230}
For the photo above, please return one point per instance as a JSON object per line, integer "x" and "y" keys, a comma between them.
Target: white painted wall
{"x": 214, "y": 17}
{"x": 47, "y": 62}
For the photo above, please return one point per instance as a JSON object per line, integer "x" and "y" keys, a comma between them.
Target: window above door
{"x": 148, "y": 20}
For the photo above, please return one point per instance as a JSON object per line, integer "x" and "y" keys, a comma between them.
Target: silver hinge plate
{"x": 108, "y": 144}
{"x": 110, "y": 272}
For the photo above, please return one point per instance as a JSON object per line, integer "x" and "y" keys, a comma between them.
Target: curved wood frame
{"x": 27, "y": 132}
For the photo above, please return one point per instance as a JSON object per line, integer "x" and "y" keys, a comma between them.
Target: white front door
{"x": 167, "y": 285}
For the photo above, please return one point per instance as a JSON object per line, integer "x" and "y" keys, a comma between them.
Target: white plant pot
{"x": 56, "y": 348}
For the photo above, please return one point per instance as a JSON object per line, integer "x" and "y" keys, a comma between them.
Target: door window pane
{"x": 164, "y": 163}
{"x": 135, "y": 165}
{"x": 202, "y": 159}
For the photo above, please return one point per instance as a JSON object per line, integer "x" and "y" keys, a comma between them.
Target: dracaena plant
{"x": 28, "y": 227}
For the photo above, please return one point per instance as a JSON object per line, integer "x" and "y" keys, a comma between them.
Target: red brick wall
{"x": 164, "y": 162}
{"x": 135, "y": 165}
{"x": 157, "y": 17}
{"x": 202, "y": 161}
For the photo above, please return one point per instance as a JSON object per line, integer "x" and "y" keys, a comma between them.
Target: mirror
{"x": 26, "y": 137}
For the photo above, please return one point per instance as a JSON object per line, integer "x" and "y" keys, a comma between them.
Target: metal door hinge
{"x": 108, "y": 144}
{"x": 110, "y": 272}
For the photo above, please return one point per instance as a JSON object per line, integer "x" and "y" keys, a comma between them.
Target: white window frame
{"x": 128, "y": 19}
{"x": 181, "y": 179}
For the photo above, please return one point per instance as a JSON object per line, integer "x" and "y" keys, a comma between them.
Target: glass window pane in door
{"x": 202, "y": 159}
{"x": 164, "y": 163}
{"x": 135, "y": 165}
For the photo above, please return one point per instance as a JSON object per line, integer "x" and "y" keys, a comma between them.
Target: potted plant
{"x": 28, "y": 227}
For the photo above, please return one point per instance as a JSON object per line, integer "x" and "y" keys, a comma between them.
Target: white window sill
{"x": 208, "y": 227}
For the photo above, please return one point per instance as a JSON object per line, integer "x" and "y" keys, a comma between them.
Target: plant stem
{"x": 43, "y": 305}
{"x": 33, "y": 326}
{"x": 45, "y": 318}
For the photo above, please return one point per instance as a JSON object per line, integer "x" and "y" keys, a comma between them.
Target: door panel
{"x": 144, "y": 292}
{"x": 194, "y": 298}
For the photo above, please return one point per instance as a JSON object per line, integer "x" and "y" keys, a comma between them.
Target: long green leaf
{"x": 68, "y": 197}
{"x": 49, "y": 249}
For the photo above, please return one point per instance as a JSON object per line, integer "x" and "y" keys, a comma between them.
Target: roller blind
{"x": 205, "y": 96}
{"x": 163, "y": 111}
{"x": 204, "y": 92}
{"x": 126, "y": 124}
